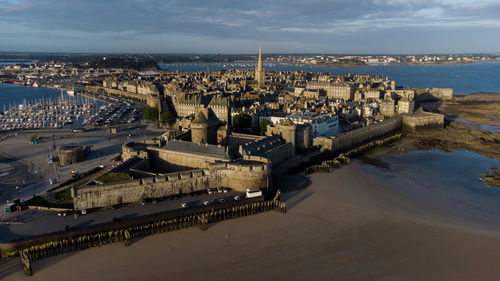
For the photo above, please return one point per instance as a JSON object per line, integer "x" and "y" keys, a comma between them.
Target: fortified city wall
{"x": 424, "y": 94}
{"x": 237, "y": 176}
{"x": 360, "y": 136}
{"x": 423, "y": 120}
{"x": 171, "y": 160}
{"x": 116, "y": 92}
{"x": 350, "y": 140}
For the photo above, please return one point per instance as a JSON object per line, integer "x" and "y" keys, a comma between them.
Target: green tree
{"x": 167, "y": 118}
{"x": 150, "y": 113}
{"x": 241, "y": 121}
{"x": 263, "y": 126}
{"x": 34, "y": 139}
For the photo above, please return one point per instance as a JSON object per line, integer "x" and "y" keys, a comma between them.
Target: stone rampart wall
{"x": 240, "y": 177}
{"x": 233, "y": 175}
{"x": 361, "y": 136}
{"x": 169, "y": 160}
{"x": 136, "y": 190}
{"x": 429, "y": 120}
{"x": 279, "y": 154}
{"x": 117, "y": 92}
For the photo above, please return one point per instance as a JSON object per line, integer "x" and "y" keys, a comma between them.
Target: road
{"x": 30, "y": 160}
{"x": 42, "y": 222}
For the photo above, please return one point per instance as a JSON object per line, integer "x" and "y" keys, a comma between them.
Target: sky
{"x": 223, "y": 26}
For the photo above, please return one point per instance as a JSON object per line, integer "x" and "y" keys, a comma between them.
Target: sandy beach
{"x": 344, "y": 225}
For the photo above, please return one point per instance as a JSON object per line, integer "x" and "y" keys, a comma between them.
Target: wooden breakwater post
{"x": 127, "y": 232}
{"x": 26, "y": 263}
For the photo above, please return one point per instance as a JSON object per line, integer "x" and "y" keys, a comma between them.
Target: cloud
{"x": 296, "y": 22}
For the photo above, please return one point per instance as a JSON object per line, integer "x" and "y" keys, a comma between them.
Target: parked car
{"x": 224, "y": 190}
{"x": 143, "y": 202}
{"x": 84, "y": 212}
{"x": 206, "y": 203}
{"x": 237, "y": 198}
{"x": 219, "y": 190}
{"x": 64, "y": 213}
{"x": 184, "y": 205}
{"x": 221, "y": 200}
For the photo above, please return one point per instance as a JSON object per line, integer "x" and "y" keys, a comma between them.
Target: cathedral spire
{"x": 260, "y": 74}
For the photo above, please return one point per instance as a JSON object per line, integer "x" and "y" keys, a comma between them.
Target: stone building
{"x": 70, "y": 154}
{"x": 178, "y": 168}
{"x": 338, "y": 91}
{"x": 187, "y": 104}
{"x": 372, "y": 94}
{"x": 272, "y": 148}
{"x": 204, "y": 126}
{"x": 406, "y": 106}
{"x": 423, "y": 120}
{"x": 387, "y": 106}
{"x": 221, "y": 107}
{"x": 298, "y": 135}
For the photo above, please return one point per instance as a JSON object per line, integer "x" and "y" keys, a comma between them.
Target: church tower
{"x": 260, "y": 74}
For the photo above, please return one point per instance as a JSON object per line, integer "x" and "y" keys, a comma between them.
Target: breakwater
{"x": 359, "y": 137}
{"x": 134, "y": 229}
{"x": 328, "y": 166}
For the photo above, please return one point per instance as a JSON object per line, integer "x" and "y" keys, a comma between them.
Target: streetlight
{"x": 20, "y": 208}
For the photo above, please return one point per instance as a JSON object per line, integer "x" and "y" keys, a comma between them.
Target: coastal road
{"x": 41, "y": 222}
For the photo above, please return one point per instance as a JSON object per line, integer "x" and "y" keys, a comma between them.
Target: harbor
{"x": 62, "y": 112}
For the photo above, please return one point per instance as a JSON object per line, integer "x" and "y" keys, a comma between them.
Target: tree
{"x": 263, "y": 126}
{"x": 167, "y": 118}
{"x": 241, "y": 121}
{"x": 34, "y": 139}
{"x": 151, "y": 113}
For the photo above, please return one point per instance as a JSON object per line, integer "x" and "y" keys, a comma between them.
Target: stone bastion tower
{"x": 204, "y": 127}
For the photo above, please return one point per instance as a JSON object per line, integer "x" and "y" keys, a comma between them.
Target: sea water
{"x": 463, "y": 78}
{"x": 445, "y": 180}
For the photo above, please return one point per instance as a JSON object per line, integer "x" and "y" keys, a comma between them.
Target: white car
{"x": 84, "y": 212}
{"x": 237, "y": 198}
{"x": 206, "y": 203}
{"x": 184, "y": 205}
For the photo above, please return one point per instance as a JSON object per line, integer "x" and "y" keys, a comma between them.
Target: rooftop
{"x": 189, "y": 147}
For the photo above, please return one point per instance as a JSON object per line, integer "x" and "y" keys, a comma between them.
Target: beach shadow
{"x": 43, "y": 263}
{"x": 9, "y": 266}
{"x": 296, "y": 199}
{"x": 292, "y": 182}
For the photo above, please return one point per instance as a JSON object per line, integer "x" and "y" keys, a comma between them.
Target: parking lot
{"x": 42, "y": 222}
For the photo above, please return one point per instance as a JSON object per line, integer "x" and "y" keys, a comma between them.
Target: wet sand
{"x": 343, "y": 226}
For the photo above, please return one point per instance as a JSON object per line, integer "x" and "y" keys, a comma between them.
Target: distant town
{"x": 152, "y": 61}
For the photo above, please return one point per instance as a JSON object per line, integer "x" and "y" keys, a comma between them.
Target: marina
{"x": 58, "y": 113}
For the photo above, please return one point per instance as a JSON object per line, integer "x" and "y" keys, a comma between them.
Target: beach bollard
{"x": 26, "y": 263}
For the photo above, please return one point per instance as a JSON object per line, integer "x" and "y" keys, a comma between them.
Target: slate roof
{"x": 201, "y": 149}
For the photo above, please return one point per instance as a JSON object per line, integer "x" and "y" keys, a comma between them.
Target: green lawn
{"x": 112, "y": 177}
{"x": 75, "y": 179}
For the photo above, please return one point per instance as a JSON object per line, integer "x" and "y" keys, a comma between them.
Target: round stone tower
{"x": 204, "y": 127}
